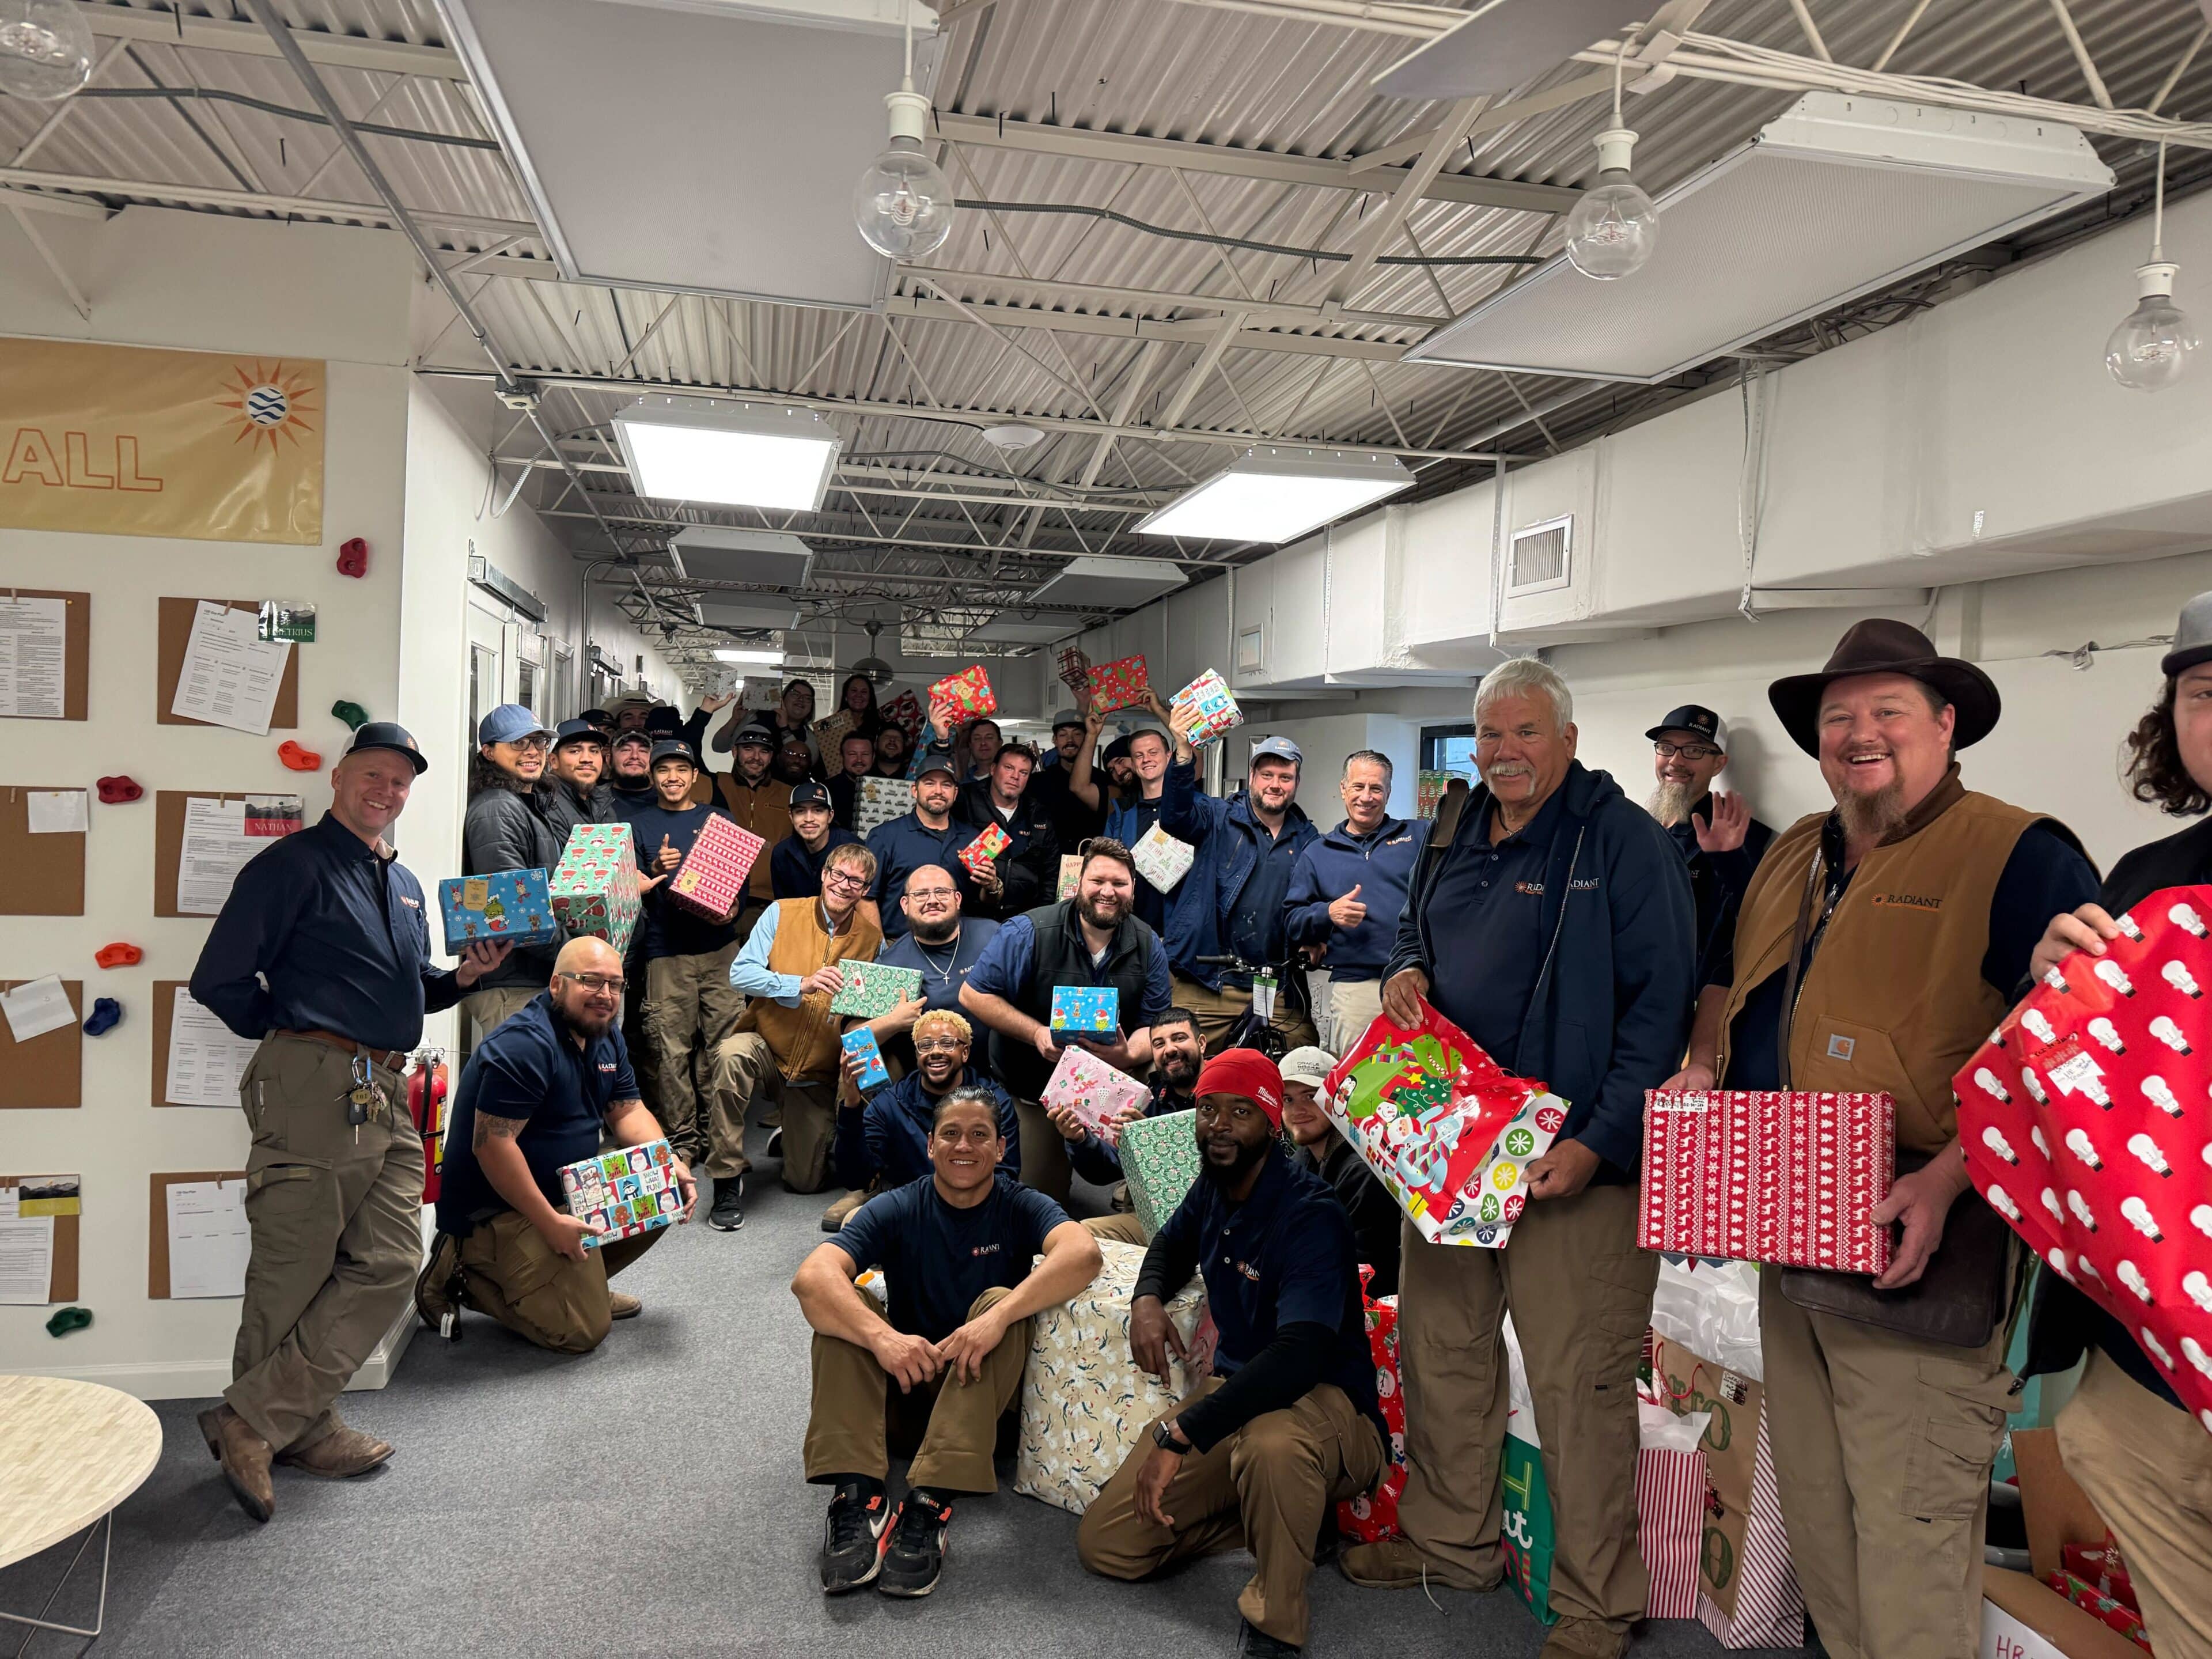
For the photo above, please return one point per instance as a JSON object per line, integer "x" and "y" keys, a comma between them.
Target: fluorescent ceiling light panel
{"x": 1276, "y": 494}
{"x": 1100, "y": 581}
{"x": 1506, "y": 43}
{"x": 732, "y": 453}
{"x": 1837, "y": 197}
{"x": 752, "y": 658}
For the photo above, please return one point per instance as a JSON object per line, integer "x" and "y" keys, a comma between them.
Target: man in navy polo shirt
{"x": 956, "y": 1248}
{"x": 539, "y": 1093}
{"x": 927, "y": 834}
{"x": 1288, "y": 1424}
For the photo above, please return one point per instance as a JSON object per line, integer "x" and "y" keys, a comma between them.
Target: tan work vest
{"x": 763, "y": 808}
{"x": 803, "y": 1040}
{"x": 1894, "y": 1002}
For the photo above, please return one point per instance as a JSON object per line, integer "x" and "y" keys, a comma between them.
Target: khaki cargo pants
{"x": 492, "y": 1007}
{"x": 1266, "y": 1488}
{"x": 951, "y": 1427}
{"x": 335, "y": 1211}
{"x": 1882, "y": 1450}
{"x": 540, "y": 1295}
{"x": 745, "y": 1071}
{"x": 691, "y": 1008}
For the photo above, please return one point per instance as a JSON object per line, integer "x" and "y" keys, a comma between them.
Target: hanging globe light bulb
{"x": 45, "y": 49}
{"x": 1613, "y": 228}
{"x": 2152, "y": 346}
{"x": 903, "y": 202}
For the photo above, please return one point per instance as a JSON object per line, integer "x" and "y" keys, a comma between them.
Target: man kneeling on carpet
{"x": 537, "y": 1096}
{"x": 1288, "y": 1424}
{"x": 954, "y": 1248}
{"x": 883, "y": 1139}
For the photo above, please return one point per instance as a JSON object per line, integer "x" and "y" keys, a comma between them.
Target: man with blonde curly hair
{"x": 882, "y": 1140}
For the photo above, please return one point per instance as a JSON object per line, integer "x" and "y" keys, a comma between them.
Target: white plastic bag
{"x": 1710, "y": 1307}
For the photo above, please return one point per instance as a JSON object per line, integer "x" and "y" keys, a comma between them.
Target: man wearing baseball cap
{"x": 630, "y": 784}
{"x": 1720, "y": 841}
{"x": 1288, "y": 1422}
{"x": 927, "y": 834}
{"x": 321, "y": 955}
{"x": 574, "y": 790}
{"x": 795, "y": 866}
{"x": 505, "y": 828}
{"x": 759, "y": 802}
{"x": 1071, "y": 819}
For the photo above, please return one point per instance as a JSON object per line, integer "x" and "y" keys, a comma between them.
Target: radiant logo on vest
{"x": 1909, "y": 901}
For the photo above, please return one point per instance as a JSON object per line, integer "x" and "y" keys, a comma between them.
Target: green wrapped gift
{"x": 1159, "y": 1156}
{"x": 872, "y": 990}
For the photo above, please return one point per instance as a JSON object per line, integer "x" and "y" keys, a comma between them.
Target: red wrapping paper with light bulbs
{"x": 2088, "y": 1125}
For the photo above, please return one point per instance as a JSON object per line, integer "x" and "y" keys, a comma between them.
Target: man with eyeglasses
{"x": 942, "y": 944}
{"x": 786, "y": 1045}
{"x": 882, "y": 1140}
{"x": 926, "y": 835}
{"x": 1719, "y": 839}
{"x": 538, "y": 1094}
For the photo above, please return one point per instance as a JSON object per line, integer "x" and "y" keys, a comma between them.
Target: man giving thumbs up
{"x": 1346, "y": 895}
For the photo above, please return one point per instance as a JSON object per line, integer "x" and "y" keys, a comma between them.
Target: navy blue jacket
{"x": 1381, "y": 865}
{"x": 1611, "y": 1010}
{"x": 1225, "y": 836}
{"x": 889, "y": 1136}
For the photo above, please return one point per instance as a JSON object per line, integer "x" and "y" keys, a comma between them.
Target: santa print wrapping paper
{"x": 2108, "y": 1611}
{"x": 1098, "y": 1093}
{"x": 594, "y": 889}
{"x": 2087, "y": 1125}
{"x": 1215, "y": 711}
{"x": 905, "y": 711}
{"x": 1783, "y": 1176}
{"x": 1450, "y": 1132}
{"x": 872, "y": 990}
{"x": 620, "y": 1194}
{"x": 968, "y": 692}
{"x": 1121, "y": 684}
{"x": 977, "y": 855}
{"x": 1373, "y": 1516}
{"x": 713, "y": 875}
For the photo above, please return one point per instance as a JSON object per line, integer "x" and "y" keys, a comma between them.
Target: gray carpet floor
{"x": 647, "y": 1499}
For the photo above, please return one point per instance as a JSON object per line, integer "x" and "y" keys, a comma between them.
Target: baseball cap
{"x": 1065, "y": 717}
{"x": 599, "y": 717}
{"x": 1697, "y": 719}
{"x": 644, "y": 737}
{"x": 508, "y": 723}
{"x": 577, "y": 730}
{"x": 1308, "y": 1065}
{"x": 1278, "y": 749}
{"x": 671, "y": 749}
{"x": 1248, "y": 1072}
{"x": 1117, "y": 750}
{"x": 936, "y": 758}
{"x": 662, "y": 721}
{"x": 754, "y": 732}
{"x": 810, "y": 793}
{"x": 2192, "y": 637}
{"x": 389, "y": 734}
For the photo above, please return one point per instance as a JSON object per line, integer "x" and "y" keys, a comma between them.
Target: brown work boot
{"x": 338, "y": 1456}
{"x": 440, "y": 1291}
{"x": 243, "y": 1455}
{"x": 1400, "y": 1564}
{"x": 622, "y": 1305}
{"x": 1584, "y": 1638}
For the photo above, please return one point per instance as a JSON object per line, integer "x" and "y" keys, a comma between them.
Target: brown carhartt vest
{"x": 1894, "y": 1000}
{"x": 803, "y": 1040}
{"x": 764, "y": 808}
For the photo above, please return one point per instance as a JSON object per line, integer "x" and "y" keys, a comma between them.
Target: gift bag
{"x": 1161, "y": 859}
{"x": 872, "y": 990}
{"x": 1214, "y": 710}
{"x": 1098, "y": 1093}
{"x": 1159, "y": 1157}
{"x": 966, "y": 692}
{"x": 977, "y": 855}
{"x": 1071, "y": 873}
{"x": 1121, "y": 684}
{"x": 1372, "y": 1517}
{"x": 1525, "y": 1534}
{"x": 1670, "y": 1507}
{"x": 1449, "y": 1133}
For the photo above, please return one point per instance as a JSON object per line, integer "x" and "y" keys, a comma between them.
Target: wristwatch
{"x": 1164, "y": 1434}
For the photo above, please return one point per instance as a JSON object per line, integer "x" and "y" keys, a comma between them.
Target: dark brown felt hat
{"x": 1881, "y": 645}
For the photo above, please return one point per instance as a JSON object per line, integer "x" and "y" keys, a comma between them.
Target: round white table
{"x": 69, "y": 1453}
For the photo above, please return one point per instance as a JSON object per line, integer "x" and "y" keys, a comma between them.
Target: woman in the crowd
{"x": 856, "y": 713}
{"x": 2124, "y": 1436}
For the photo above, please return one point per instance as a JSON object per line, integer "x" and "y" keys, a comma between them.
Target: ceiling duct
{"x": 1099, "y": 582}
{"x": 1011, "y": 629}
{"x": 1838, "y": 197}
{"x": 757, "y": 558}
{"x": 713, "y": 613}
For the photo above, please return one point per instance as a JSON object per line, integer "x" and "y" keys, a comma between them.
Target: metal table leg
{"x": 99, "y": 1617}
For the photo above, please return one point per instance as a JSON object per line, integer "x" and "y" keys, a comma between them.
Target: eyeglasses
{"x": 1687, "y": 751}
{"x": 599, "y": 985}
{"x": 845, "y": 881}
{"x": 530, "y": 744}
{"x": 919, "y": 893}
{"x": 938, "y": 1044}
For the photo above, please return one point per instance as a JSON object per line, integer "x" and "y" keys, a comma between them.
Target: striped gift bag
{"x": 1670, "y": 1507}
{"x": 1770, "y": 1608}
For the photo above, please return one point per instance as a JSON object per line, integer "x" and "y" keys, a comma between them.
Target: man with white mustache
{"x": 1877, "y": 946}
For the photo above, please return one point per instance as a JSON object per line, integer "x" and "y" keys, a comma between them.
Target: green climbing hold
{"x": 68, "y": 1320}
{"x": 352, "y": 714}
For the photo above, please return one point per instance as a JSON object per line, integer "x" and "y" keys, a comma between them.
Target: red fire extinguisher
{"x": 426, "y": 1104}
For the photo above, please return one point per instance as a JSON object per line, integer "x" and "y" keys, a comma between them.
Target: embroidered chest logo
{"x": 606, "y": 1066}
{"x": 1532, "y": 888}
{"x": 1587, "y": 885}
{"x": 411, "y": 903}
{"x": 1910, "y": 901}
{"x": 984, "y": 1249}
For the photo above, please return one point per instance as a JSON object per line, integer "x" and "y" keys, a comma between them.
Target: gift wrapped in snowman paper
{"x": 1449, "y": 1131}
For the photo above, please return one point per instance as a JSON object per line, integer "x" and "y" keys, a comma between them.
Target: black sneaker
{"x": 916, "y": 1554}
{"x": 852, "y": 1536}
{"x": 439, "y": 1293}
{"x": 729, "y": 1212}
{"x": 1255, "y": 1643}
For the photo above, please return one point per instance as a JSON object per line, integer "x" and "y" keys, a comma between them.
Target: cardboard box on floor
{"x": 2056, "y": 1511}
{"x": 2023, "y": 1618}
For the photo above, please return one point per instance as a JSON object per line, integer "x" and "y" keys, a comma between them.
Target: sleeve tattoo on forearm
{"x": 489, "y": 1128}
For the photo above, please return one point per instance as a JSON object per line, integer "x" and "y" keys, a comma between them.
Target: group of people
{"x": 1608, "y": 946}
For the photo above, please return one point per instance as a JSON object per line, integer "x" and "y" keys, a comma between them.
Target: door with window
{"x": 487, "y": 678}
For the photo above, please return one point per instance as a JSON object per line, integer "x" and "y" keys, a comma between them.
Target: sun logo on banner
{"x": 271, "y": 404}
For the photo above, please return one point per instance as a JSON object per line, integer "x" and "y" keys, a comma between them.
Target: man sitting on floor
{"x": 883, "y": 1141}
{"x": 955, "y": 1248}
{"x": 536, "y": 1096}
{"x": 1288, "y": 1424}
{"x": 1177, "y": 1053}
{"x": 1375, "y": 1214}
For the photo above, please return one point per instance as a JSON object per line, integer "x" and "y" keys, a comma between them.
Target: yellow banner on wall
{"x": 128, "y": 440}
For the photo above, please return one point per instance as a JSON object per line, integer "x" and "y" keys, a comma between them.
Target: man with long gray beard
{"x": 1720, "y": 841}
{"x": 1877, "y": 946}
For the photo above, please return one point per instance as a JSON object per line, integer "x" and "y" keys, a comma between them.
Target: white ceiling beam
{"x": 1380, "y": 231}
{"x": 845, "y": 480}
{"x": 1400, "y": 151}
{"x": 2097, "y": 89}
{"x": 1228, "y": 161}
{"x": 69, "y": 207}
{"x": 173, "y": 28}
{"x": 1224, "y": 333}
{"x": 1365, "y": 17}
{"x": 372, "y": 213}
{"x": 1125, "y": 328}
{"x": 1257, "y": 311}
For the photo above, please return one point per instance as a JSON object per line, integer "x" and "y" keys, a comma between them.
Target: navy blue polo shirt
{"x": 794, "y": 872}
{"x": 1004, "y": 971}
{"x": 1487, "y": 931}
{"x": 341, "y": 935}
{"x": 944, "y": 967}
{"x": 939, "y": 1259}
{"x": 902, "y": 847}
{"x": 670, "y": 929}
{"x": 531, "y": 1068}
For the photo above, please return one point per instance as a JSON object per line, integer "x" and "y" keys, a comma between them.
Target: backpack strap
{"x": 1447, "y": 820}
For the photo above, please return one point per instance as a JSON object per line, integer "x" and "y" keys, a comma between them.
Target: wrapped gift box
{"x": 1085, "y": 1407}
{"x": 1448, "y": 1130}
{"x": 2108, "y": 1611}
{"x": 1215, "y": 711}
{"x": 1121, "y": 684}
{"x": 860, "y": 1043}
{"x": 1373, "y": 1516}
{"x": 1428, "y": 792}
{"x": 905, "y": 711}
{"x": 595, "y": 888}
{"x": 1789, "y": 1177}
{"x": 712, "y": 878}
{"x": 1086, "y": 1010}
{"x": 620, "y": 1194}
{"x": 1070, "y": 872}
{"x": 1096, "y": 1092}
{"x": 514, "y": 906}
{"x": 2101, "y": 1568}
{"x": 2084, "y": 1119}
{"x": 1159, "y": 1157}
{"x": 873, "y": 989}
{"x": 1075, "y": 670}
{"x": 878, "y": 801}
{"x": 968, "y": 693}
{"x": 1161, "y": 859}
{"x": 977, "y": 855}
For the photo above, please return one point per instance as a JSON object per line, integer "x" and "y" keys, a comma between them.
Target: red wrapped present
{"x": 712, "y": 878}
{"x": 2085, "y": 1124}
{"x": 905, "y": 711}
{"x": 968, "y": 693}
{"x": 1783, "y": 1176}
{"x": 1121, "y": 684}
{"x": 2100, "y": 1567}
{"x": 1075, "y": 670}
{"x": 1372, "y": 1517}
{"x": 977, "y": 855}
{"x": 2104, "y": 1609}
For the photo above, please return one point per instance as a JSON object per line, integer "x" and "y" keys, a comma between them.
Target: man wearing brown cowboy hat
{"x": 1876, "y": 947}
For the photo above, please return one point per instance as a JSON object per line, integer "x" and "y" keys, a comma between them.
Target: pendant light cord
{"x": 2158, "y": 210}
{"x": 906, "y": 84}
{"x": 1619, "y": 52}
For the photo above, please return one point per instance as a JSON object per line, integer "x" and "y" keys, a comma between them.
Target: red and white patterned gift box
{"x": 2088, "y": 1125}
{"x": 712, "y": 877}
{"x": 1783, "y": 1176}
{"x": 905, "y": 711}
{"x": 977, "y": 855}
{"x": 1372, "y": 1517}
{"x": 1075, "y": 670}
{"x": 968, "y": 693}
{"x": 1121, "y": 684}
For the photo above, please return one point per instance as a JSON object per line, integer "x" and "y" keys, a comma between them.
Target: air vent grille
{"x": 1540, "y": 557}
